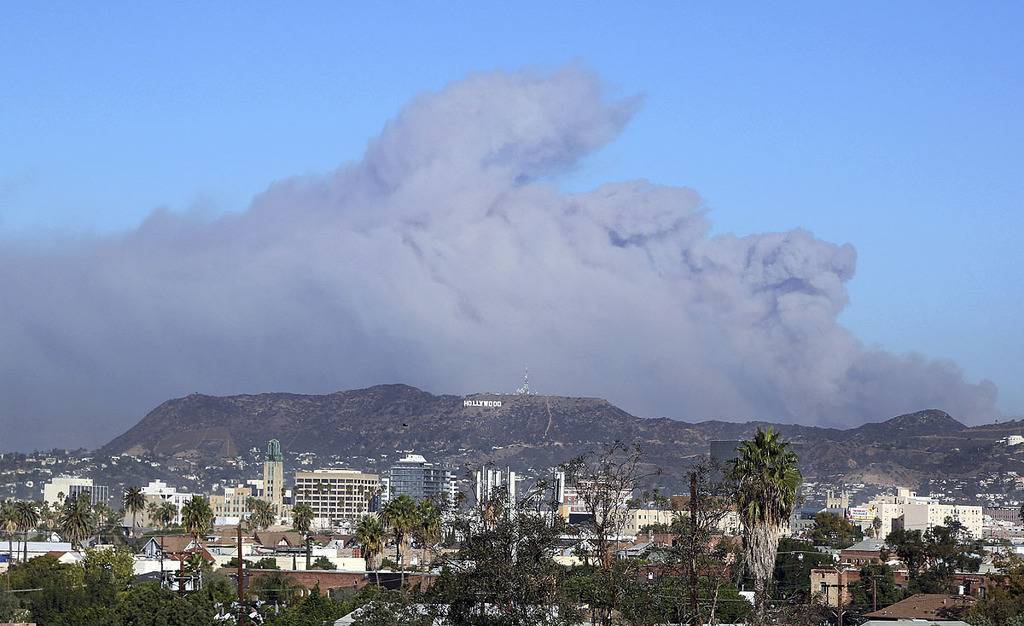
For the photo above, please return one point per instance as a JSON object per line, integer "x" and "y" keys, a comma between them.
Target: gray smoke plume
{"x": 446, "y": 258}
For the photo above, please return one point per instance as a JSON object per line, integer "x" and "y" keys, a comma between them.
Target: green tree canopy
{"x": 834, "y": 531}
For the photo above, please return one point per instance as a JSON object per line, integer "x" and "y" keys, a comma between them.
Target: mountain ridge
{"x": 533, "y": 431}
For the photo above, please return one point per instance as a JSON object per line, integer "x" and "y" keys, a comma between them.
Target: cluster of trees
{"x": 402, "y": 521}
{"x": 834, "y": 531}
{"x": 99, "y": 592}
{"x": 74, "y": 519}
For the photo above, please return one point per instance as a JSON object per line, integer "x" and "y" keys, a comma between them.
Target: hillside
{"x": 539, "y": 431}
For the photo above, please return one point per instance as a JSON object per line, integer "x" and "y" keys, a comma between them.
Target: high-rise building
{"x": 488, "y": 482}
{"x": 273, "y": 475}
{"x": 413, "y": 476}
{"x": 336, "y": 495}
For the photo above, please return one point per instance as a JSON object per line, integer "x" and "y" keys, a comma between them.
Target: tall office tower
{"x": 273, "y": 475}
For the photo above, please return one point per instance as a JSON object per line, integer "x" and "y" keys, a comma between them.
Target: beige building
{"x": 232, "y": 506}
{"x": 831, "y": 585}
{"x": 636, "y": 519}
{"x": 336, "y": 494}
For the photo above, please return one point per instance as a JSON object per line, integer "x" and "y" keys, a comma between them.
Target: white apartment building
{"x": 157, "y": 492}
{"x": 913, "y": 512}
{"x": 925, "y": 516}
{"x": 336, "y": 495}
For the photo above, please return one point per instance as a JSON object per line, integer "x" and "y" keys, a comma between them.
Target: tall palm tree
{"x": 302, "y": 519}
{"x": 261, "y": 513}
{"x": 428, "y": 527}
{"x": 27, "y": 517}
{"x": 197, "y": 517}
{"x": 77, "y": 519}
{"x": 767, "y": 480}
{"x": 370, "y": 535}
{"x": 134, "y": 502}
{"x": 400, "y": 517}
{"x": 9, "y": 524}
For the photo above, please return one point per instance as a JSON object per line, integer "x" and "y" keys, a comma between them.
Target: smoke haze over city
{"x": 449, "y": 257}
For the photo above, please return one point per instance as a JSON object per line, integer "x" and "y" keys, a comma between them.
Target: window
{"x": 824, "y": 588}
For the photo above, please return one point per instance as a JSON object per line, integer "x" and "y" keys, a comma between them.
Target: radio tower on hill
{"x": 524, "y": 389}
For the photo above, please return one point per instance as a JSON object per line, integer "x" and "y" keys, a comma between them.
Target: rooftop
{"x": 929, "y": 606}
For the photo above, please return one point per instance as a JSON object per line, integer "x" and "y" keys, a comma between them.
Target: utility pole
{"x": 241, "y": 579}
{"x": 694, "y": 579}
{"x": 839, "y": 589}
{"x": 874, "y": 594}
{"x": 181, "y": 573}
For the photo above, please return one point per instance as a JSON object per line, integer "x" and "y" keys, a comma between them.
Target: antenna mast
{"x": 524, "y": 389}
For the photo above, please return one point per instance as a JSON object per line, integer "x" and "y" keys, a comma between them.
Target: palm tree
{"x": 400, "y": 517}
{"x": 194, "y": 564}
{"x": 27, "y": 517}
{"x": 9, "y": 524}
{"x": 164, "y": 513}
{"x": 428, "y": 527}
{"x": 767, "y": 481}
{"x": 108, "y": 523}
{"x": 302, "y": 518}
{"x": 261, "y": 513}
{"x": 197, "y": 517}
{"x": 77, "y": 519}
{"x": 370, "y": 535}
{"x": 134, "y": 502}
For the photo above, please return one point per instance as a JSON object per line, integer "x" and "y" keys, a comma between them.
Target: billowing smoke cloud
{"x": 447, "y": 259}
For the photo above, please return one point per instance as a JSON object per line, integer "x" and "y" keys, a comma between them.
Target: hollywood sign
{"x": 486, "y": 403}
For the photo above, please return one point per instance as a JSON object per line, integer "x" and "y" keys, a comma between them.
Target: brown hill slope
{"x": 539, "y": 431}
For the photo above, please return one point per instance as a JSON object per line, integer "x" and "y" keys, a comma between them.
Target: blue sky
{"x": 896, "y": 127}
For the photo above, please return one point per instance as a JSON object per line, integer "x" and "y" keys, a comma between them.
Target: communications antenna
{"x": 524, "y": 389}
